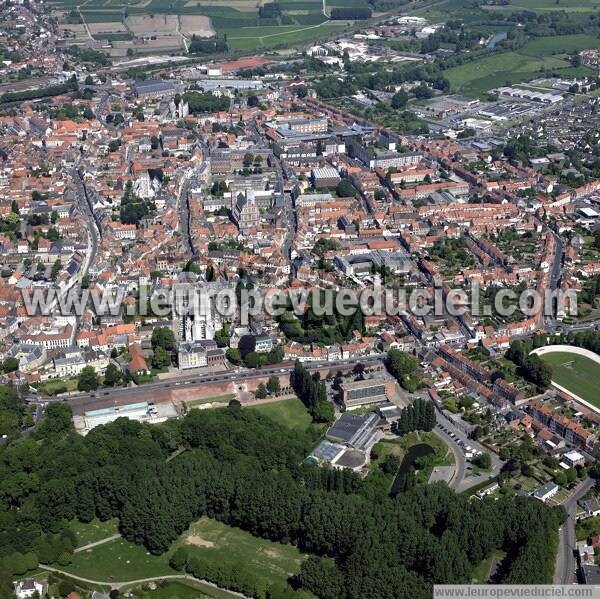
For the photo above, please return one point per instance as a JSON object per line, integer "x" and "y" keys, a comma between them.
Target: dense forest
{"x": 246, "y": 470}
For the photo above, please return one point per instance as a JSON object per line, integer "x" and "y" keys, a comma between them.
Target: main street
{"x": 566, "y": 564}
{"x": 192, "y": 381}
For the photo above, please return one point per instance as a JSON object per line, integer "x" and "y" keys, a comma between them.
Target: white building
{"x": 28, "y": 587}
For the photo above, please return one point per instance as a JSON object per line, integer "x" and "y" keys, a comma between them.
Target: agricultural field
{"x": 542, "y": 6}
{"x": 197, "y": 25}
{"x": 130, "y": 24}
{"x": 576, "y": 373}
{"x": 541, "y": 55}
{"x": 152, "y": 24}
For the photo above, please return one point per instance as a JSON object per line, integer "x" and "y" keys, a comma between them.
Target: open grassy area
{"x": 442, "y": 456}
{"x": 185, "y": 590}
{"x": 120, "y": 560}
{"x": 529, "y": 62}
{"x": 271, "y": 561}
{"x": 289, "y": 412}
{"x": 54, "y": 386}
{"x": 94, "y": 531}
{"x": 224, "y": 399}
{"x": 563, "y": 44}
{"x": 576, "y": 373}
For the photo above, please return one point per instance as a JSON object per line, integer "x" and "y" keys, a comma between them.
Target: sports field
{"x": 578, "y": 374}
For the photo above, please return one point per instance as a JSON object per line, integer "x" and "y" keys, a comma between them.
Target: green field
{"x": 289, "y": 412}
{"x": 274, "y": 562}
{"x": 180, "y": 590}
{"x": 300, "y": 21}
{"x": 576, "y": 373}
{"x": 542, "y": 6}
{"x": 541, "y": 55}
{"x": 94, "y": 530}
{"x": 120, "y": 560}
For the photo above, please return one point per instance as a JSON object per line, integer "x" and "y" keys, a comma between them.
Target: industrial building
{"x": 370, "y": 391}
{"x": 143, "y": 411}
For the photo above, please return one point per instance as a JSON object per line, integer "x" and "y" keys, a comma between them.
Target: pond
{"x": 413, "y": 453}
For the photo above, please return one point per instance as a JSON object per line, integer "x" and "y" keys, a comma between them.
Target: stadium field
{"x": 577, "y": 374}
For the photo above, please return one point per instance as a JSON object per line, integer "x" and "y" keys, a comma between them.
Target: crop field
{"x": 576, "y": 373}
{"x": 531, "y": 61}
{"x": 239, "y": 19}
{"x": 542, "y": 6}
{"x": 110, "y": 27}
{"x": 197, "y": 25}
{"x": 151, "y": 24}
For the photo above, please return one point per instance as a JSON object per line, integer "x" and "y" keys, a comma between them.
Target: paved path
{"x": 96, "y": 543}
{"x": 127, "y": 583}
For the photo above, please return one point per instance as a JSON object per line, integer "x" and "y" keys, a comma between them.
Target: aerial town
{"x": 166, "y": 181}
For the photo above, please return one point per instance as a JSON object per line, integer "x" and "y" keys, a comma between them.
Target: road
{"x": 566, "y": 564}
{"x": 462, "y": 481}
{"x": 94, "y": 231}
{"x": 184, "y": 215}
{"x": 129, "y": 583}
{"x": 189, "y": 381}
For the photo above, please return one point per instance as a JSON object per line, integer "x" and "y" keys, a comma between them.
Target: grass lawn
{"x": 289, "y": 412}
{"x": 268, "y": 560}
{"x": 119, "y": 560}
{"x": 224, "y": 399}
{"x": 54, "y": 386}
{"x": 587, "y": 528}
{"x": 576, "y": 373}
{"x": 95, "y": 530}
{"x": 442, "y": 455}
{"x": 185, "y": 590}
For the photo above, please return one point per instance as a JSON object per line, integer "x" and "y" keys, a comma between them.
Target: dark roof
{"x": 356, "y": 431}
{"x": 152, "y": 86}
